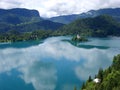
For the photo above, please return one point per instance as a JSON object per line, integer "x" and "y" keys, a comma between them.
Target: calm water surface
{"x": 53, "y": 64}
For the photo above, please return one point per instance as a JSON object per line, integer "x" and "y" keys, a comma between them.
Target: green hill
{"x": 24, "y": 20}
{"x": 109, "y": 78}
{"x": 19, "y": 15}
{"x": 30, "y": 26}
{"x": 100, "y": 26}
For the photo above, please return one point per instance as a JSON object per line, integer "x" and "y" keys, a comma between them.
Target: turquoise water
{"x": 53, "y": 64}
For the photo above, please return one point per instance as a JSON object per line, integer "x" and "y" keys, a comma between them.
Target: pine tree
{"x": 83, "y": 86}
{"x": 100, "y": 74}
{"x": 89, "y": 79}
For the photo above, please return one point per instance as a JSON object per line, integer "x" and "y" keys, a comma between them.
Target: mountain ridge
{"x": 66, "y": 19}
{"x": 19, "y": 15}
{"x": 99, "y": 26}
{"x": 24, "y": 20}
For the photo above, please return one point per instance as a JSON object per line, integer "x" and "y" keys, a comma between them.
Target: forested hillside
{"x": 100, "y": 26}
{"x": 109, "y": 78}
{"x": 19, "y": 15}
{"x": 24, "y": 20}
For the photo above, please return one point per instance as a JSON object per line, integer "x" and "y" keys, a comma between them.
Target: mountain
{"x": 109, "y": 79}
{"x": 66, "y": 19}
{"x": 114, "y": 12}
{"x": 19, "y": 15}
{"x": 41, "y": 25}
{"x": 100, "y": 26}
{"x": 32, "y": 26}
{"x": 24, "y": 20}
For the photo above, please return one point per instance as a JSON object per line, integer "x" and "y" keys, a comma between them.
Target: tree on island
{"x": 79, "y": 38}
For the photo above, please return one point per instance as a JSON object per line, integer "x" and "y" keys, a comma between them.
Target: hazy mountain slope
{"x": 115, "y": 13}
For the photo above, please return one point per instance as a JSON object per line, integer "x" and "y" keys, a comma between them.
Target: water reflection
{"x": 41, "y": 66}
{"x": 92, "y": 62}
{"x": 41, "y": 75}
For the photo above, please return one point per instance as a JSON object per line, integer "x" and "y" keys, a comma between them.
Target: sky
{"x": 51, "y": 8}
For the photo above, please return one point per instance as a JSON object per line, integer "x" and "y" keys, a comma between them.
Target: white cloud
{"x": 50, "y": 8}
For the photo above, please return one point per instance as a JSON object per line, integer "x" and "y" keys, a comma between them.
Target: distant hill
{"x": 41, "y": 25}
{"x": 99, "y": 26}
{"x": 32, "y": 26}
{"x": 19, "y": 15}
{"x": 24, "y": 20}
{"x": 66, "y": 19}
{"x": 115, "y": 13}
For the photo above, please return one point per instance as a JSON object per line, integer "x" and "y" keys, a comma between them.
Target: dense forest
{"x": 100, "y": 26}
{"x": 109, "y": 79}
{"x": 19, "y": 15}
{"x": 30, "y": 26}
{"x": 14, "y": 36}
{"x": 24, "y": 20}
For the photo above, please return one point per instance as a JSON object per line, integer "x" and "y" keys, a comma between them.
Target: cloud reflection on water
{"x": 43, "y": 75}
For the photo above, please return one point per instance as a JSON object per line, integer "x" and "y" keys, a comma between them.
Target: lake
{"x": 54, "y": 63}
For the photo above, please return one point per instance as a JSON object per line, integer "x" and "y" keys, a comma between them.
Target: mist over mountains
{"x": 115, "y": 13}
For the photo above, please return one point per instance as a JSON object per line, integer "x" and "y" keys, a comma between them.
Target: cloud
{"x": 8, "y": 4}
{"x": 50, "y": 8}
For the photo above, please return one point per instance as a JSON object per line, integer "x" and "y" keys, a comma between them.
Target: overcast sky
{"x": 50, "y": 8}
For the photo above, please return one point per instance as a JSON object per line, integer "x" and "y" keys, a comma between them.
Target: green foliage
{"x": 81, "y": 39}
{"x": 24, "y": 20}
{"x": 100, "y": 26}
{"x": 14, "y": 36}
{"x": 116, "y": 62}
{"x": 110, "y": 78}
{"x": 89, "y": 79}
{"x": 30, "y": 26}
{"x": 83, "y": 86}
{"x": 100, "y": 74}
{"x": 19, "y": 15}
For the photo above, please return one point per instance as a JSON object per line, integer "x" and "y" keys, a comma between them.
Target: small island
{"x": 79, "y": 38}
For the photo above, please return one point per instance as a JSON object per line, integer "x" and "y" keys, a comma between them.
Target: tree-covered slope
{"x": 30, "y": 26}
{"x": 109, "y": 78}
{"x": 15, "y": 36}
{"x": 19, "y": 15}
{"x": 41, "y": 25}
{"x": 99, "y": 26}
{"x": 24, "y": 20}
